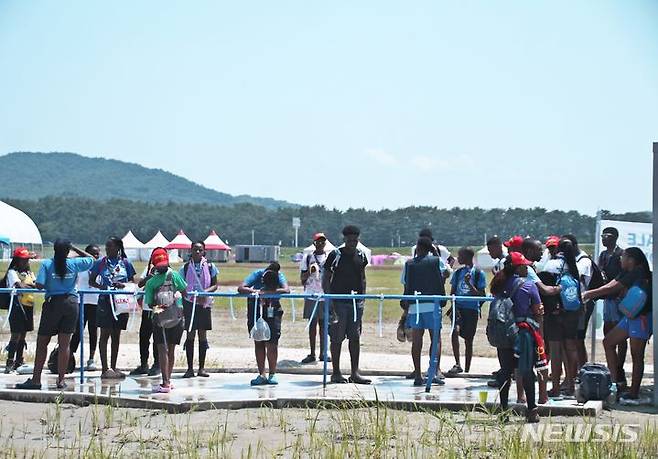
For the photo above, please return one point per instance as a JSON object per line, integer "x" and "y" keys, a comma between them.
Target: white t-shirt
{"x": 584, "y": 268}
{"x": 314, "y": 282}
{"x": 558, "y": 266}
{"x": 83, "y": 284}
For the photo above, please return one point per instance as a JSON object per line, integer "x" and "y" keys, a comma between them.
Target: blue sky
{"x": 373, "y": 103}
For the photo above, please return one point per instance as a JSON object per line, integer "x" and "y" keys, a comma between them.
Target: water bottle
{"x": 611, "y": 399}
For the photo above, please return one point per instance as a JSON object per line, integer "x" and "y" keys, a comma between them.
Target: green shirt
{"x": 155, "y": 282}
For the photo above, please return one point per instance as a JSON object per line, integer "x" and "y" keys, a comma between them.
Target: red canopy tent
{"x": 216, "y": 249}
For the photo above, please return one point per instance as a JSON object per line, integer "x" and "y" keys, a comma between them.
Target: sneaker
{"x": 9, "y": 366}
{"x": 91, "y": 366}
{"x": 189, "y": 374}
{"x": 259, "y": 380}
{"x": 154, "y": 370}
{"x": 140, "y": 370}
{"x": 308, "y": 359}
{"x": 272, "y": 379}
{"x": 455, "y": 370}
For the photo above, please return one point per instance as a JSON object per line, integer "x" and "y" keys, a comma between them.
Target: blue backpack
{"x": 633, "y": 302}
{"x": 570, "y": 294}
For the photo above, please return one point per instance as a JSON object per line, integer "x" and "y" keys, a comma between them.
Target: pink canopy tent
{"x": 216, "y": 249}
{"x": 181, "y": 241}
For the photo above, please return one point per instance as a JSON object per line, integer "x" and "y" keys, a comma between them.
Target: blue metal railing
{"x": 326, "y": 300}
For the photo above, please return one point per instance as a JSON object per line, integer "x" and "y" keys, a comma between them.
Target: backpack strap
{"x": 515, "y": 288}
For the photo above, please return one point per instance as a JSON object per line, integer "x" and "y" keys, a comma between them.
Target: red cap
{"x": 515, "y": 242}
{"x": 317, "y": 236}
{"x": 160, "y": 258}
{"x": 22, "y": 252}
{"x": 552, "y": 241}
{"x": 519, "y": 260}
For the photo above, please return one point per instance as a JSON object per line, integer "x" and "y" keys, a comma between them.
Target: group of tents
{"x": 179, "y": 248}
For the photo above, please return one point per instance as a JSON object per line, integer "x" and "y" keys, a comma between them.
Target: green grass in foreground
{"x": 103, "y": 431}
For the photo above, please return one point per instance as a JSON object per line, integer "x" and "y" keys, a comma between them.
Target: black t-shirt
{"x": 349, "y": 275}
{"x": 610, "y": 263}
{"x": 637, "y": 277}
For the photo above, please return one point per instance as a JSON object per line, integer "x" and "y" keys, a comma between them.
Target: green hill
{"x": 69, "y": 174}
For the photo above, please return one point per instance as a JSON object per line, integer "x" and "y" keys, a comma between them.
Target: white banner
{"x": 631, "y": 234}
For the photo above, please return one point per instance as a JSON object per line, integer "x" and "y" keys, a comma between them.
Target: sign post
{"x": 296, "y": 223}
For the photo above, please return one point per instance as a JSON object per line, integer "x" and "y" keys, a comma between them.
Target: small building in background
{"x": 257, "y": 253}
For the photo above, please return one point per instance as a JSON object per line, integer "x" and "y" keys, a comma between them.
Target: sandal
{"x": 28, "y": 385}
{"x": 455, "y": 370}
{"x": 160, "y": 389}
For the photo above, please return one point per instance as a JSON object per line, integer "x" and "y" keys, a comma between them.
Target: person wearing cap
{"x": 345, "y": 274}
{"x": 514, "y": 243}
{"x": 311, "y": 276}
{"x": 21, "y": 315}
{"x": 167, "y": 339}
{"x": 59, "y": 316}
{"x": 265, "y": 281}
{"x": 610, "y": 264}
{"x": 511, "y": 281}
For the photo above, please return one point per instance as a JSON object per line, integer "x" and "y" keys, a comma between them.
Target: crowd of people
{"x": 552, "y": 285}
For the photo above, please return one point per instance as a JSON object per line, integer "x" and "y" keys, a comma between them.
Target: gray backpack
{"x": 501, "y": 324}
{"x": 593, "y": 382}
{"x": 172, "y": 315}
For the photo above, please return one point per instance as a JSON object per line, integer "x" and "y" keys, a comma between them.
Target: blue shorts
{"x": 611, "y": 310}
{"x": 640, "y": 328}
{"x": 426, "y": 320}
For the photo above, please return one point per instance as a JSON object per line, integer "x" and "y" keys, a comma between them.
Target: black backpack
{"x": 593, "y": 382}
{"x": 598, "y": 279}
{"x": 52, "y": 362}
{"x": 501, "y": 324}
{"x": 4, "y": 297}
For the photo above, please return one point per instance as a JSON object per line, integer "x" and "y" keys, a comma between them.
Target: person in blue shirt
{"x": 466, "y": 281}
{"x": 58, "y": 277}
{"x": 112, "y": 271}
{"x": 265, "y": 281}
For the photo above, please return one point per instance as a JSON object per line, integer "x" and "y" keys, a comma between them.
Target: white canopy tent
{"x": 18, "y": 228}
{"x": 328, "y": 247}
{"x": 363, "y": 248}
{"x": 132, "y": 246}
{"x": 216, "y": 249}
{"x": 157, "y": 241}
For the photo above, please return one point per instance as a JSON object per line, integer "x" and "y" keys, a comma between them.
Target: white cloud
{"x": 381, "y": 157}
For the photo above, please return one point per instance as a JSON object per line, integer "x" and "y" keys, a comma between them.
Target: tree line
{"x": 87, "y": 220}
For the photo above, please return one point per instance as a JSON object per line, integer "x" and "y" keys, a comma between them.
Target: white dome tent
{"x": 19, "y": 229}
{"x": 156, "y": 241}
{"x": 132, "y": 246}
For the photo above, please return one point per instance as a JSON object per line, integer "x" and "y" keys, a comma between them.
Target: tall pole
{"x": 597, "y": 250}
{"x": 253, "y": 237}
{"x": 655, "y": 272}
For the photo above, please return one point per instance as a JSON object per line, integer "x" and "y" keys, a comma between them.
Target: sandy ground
{"x": 31, "y": 429}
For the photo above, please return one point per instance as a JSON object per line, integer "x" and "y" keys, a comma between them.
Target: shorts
{"x": 639, "y": 328}
{"x": 21, "y": 319}
{"x": 59, "y": 315}
{"x": 202, "y": 316}
{"x": 467, "y": 321}
{"x": 583, "y": 321}
{"x": 345, "y": 324}
{"x": 611, "y": 310}
{"x": 105, "y": 318}
{"x": 426, "y": 320}
{"x": 168, "y": 336}
{"x": 273, "y": 322}
{"x": 309, "y": 304}
{"x": 561, "y": 326}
